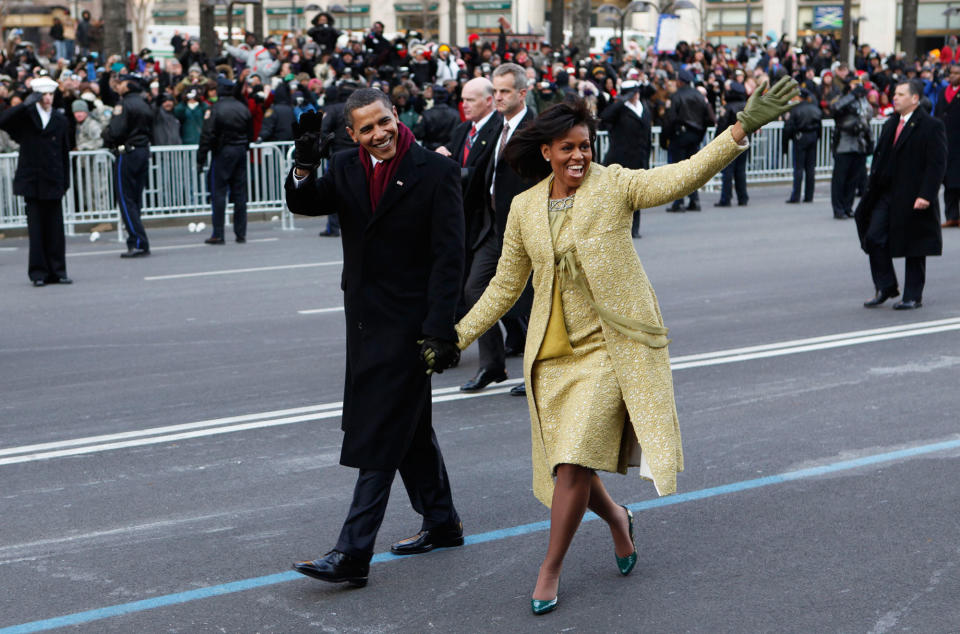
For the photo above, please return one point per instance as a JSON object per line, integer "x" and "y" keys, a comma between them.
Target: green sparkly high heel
{"x": 626, "y": 564}
{"x": 542, "y": 606}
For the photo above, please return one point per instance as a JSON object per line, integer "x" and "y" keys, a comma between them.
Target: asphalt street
{"x": 169, "y": 444}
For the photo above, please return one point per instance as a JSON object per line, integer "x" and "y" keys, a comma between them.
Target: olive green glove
{"x": 762, "y": 108}
{"x": 439, "y": 355}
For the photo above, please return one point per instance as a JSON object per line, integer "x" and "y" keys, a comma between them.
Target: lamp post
{"x": 230, "y": 15}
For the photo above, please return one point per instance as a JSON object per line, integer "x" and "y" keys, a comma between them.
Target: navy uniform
{"x": 227, "y": 133}
{"x": 128, "y": 134}
{"x": 42, "y": 178}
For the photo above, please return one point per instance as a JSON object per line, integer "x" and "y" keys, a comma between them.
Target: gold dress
{"x": 582, "y": 411}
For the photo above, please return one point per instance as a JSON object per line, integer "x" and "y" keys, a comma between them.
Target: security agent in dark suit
{"x": 852, "y": 142}
{"x": 687, "y": 121}
{"x": 472, "y": 146}
{"x": 128, "y": 134}
{"x": 899, "y": 215}
{"x": 226, "y": 134}
{"x": 628, "y": 121}
{"x": 42, "y": 178}
{"x": 804, "y": 128}
{"x": 401, "y": 221}
{"x": 948, "y": 111}
{"x": 501, "y": 184}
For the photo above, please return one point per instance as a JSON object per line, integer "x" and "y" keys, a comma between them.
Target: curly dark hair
{"x": 523, "y": 151}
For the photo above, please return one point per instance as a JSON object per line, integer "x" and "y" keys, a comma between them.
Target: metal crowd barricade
{"x": 175, "y": 189}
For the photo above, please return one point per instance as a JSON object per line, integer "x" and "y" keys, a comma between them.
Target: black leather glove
{"x": 31, "y": 99}
{"x": 310, "y": 148}
{"x": 438, "y": 354}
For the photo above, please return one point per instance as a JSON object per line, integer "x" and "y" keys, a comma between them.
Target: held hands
{"x": 310, "y": 148}
{"x": 762, "y": 108}
{"x": 438, "y": 354}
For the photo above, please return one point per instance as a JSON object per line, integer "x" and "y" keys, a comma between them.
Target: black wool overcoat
{"x": 43, "y": 167}
{"x": 911, "y": 169}
{"x": 402, "y": 273}
{"x": 629, "y": 135}
{"x": 949, "y": 113}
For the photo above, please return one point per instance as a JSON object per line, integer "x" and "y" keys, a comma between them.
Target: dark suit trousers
{"x": 683, "y": 147}
{"x": 491, "y": 343}
{"x": 846, "y": 171}
{"x": 48, "y": 258}
{"x": 951, "y": 203}
{"x": 881, "y": 263}
{"x": 425, "y": 477}
{"x": 228, "y": 171}
{"x": 735, "y": 173}
{"x": 131, "y": 178}
{"x": 804, "y": 167}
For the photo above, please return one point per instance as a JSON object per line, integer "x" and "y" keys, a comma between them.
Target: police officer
{"x": 129, "y": 133}
{"x": 227, "y": 133}
{"x": 804, "y": 128}
{"x": 688, "y": 118}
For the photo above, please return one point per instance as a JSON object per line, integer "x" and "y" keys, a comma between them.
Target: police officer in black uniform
{"x": 688, "y": 119}
{"x": 129, "y": 133}
{"x": 804, "y": 128}
{"x": 227, "y": 133}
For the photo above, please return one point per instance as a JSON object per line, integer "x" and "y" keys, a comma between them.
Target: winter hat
{"x": 79, "y": 105}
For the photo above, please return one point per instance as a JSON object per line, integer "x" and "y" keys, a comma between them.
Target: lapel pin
{"x": 400, "y": 183}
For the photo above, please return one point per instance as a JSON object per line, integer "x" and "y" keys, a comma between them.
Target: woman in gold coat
{"x": 596, "y": 362}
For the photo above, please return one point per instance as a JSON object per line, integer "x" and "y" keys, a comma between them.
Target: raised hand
{"x": 765, "y": 106}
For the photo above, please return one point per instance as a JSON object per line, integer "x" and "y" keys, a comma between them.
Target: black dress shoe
{"x": 840, "y": 216}
{"x": 791, "y": 201}
{"x": 135, "y": 253}
{"x": 214, "y": 240}
{"x": 676, "y": 208}
{"x": 849, "y": 214}
{"x": 329, "y": 234}
{"x": 483, "y": 378}
{"x": 336, "y": 567}
{"x": 63, "y": 280}
{"x": 39, "y": 283}
{"x": 635, "y": 236}
{"x": 743, "y": 203}
{"x": 881, "y": 297}
{"x": 693, "y": 207}
{"x": 721, "y": 204}
{"x": 425, "y": 541}
{"x": 241, "y": 240}
{"x": 518, "y": 390}
{"x": 909, "y": 304}
{"x": 808, "y": 200}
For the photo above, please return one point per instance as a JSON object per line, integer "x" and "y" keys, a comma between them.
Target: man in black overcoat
{"x": 948, "y": 111}
{"x": 401, "y": 220}
{"x": 501, "y": 184}
{"x": 42, "y": 178}
{"x": 899, "y": 215}
{"x": 472, "y": 146}
{"x": 804, "y": 128}
{"x": 628, "y": 121}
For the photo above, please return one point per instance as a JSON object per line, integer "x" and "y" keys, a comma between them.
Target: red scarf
{"x": 378, "y": 179}
{"x": 950, "y": 92}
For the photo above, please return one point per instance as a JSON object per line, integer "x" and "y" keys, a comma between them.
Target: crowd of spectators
{"x": 283, "y": 76}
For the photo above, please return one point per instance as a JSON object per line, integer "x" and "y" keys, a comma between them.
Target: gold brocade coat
{"x": 602, "y": 215}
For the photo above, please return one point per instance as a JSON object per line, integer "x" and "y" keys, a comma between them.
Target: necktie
{"x": 896, "y": 136}
{"x": 469, "y": 144}
{"x": 503, "y": 140}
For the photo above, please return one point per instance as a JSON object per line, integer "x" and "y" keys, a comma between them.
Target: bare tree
{"x": 908, "y": 30}
{"x": 114, "y": 27}
{"x": 140, "y": 10}
{"x": 580, "y": 16}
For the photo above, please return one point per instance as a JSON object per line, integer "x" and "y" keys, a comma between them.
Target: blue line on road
{"x": 504, "y": 533}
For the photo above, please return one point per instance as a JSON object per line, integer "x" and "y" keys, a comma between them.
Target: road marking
{"x": 280, "y": 267}
{"x": 188, "y": 596}
{"x": 290, "y": 416}
{"x": 198, "y": 245}
{"x": 8, "y": 249}
{"x": 317, "y": 311}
